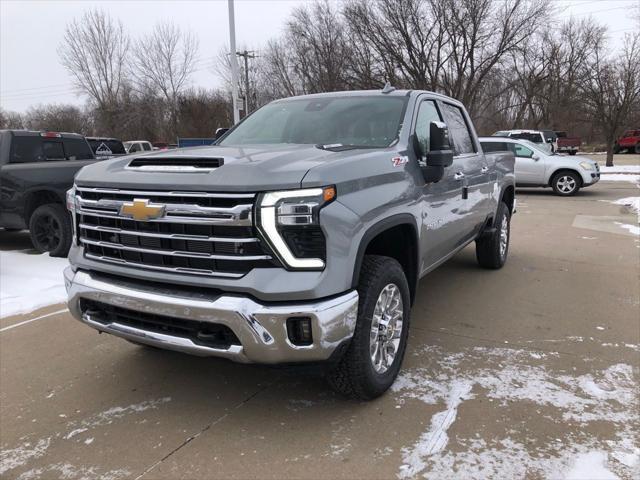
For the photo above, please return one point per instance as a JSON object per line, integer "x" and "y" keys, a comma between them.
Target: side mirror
{"x": 535, "y": 157}
{"x": 220, "y": 132}
{"x": 549, "y": 140}
{"x": 440, "y": 154}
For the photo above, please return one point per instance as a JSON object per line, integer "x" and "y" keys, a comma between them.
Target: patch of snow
{"x": 620, "y": 177}
{"x": 16, "y": 457}
{"x": 30, "y": 282}
{"x": 590, "y": 465}
{"x": 632, "y": 202}
{"x": 108, "y": 416}
{"x": 66, "y": 471}
{"x": 508, "y": 377}
{"x": 634, "y": 229}
{"x": 600, "y": 328}
{"x": 88, "y": 441}
{"x": 436, "y": 438}
{"x": 620, "y": 169}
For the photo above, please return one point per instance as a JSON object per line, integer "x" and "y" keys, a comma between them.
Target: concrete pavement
{"x": 531, "y": 371}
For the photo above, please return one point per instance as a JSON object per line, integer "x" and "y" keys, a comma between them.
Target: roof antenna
{"x": 388, "y": 88}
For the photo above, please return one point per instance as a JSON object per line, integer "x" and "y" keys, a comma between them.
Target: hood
{"x": 252, "y": 168}
{"x": 577, "y": 159}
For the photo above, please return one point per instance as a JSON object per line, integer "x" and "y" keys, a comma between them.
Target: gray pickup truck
{"x": 299, "y": 237}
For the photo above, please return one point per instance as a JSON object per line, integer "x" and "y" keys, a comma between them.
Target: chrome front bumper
{"x": 261, "y": 329}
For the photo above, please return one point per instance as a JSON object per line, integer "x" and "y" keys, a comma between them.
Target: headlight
{"x": 71, "y": 199}
{"x": 587, "y": 166}
{"x": 290, "y": 222}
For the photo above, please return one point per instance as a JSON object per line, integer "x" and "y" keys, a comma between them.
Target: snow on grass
{"x": 510, "y": 379}
{"x": 633, "y": 203}
{"x": 620, "y": 177}
{"x": 30, "y": 281}
{"x": 620, "y": 169}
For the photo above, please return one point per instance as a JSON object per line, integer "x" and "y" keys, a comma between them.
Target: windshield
{"x": 329, "y": 122}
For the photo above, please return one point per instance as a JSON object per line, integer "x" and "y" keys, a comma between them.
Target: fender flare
{"x": 376, "y": 229}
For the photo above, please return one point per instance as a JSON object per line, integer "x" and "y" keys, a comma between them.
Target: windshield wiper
{"x": 339, "y": 147}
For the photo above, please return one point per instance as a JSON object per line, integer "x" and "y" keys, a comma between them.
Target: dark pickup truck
{"x": 36, "y": 170}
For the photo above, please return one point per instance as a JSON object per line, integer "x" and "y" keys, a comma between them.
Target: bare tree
{"x": 94, "y": 50}
{"x": 56, "y": 117}
{"x": 10, "y": 120}
{"x": 611, "y": 88}
{"x": 164, "y": 62}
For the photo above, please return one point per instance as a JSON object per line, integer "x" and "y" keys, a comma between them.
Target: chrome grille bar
{"x": 171, "y": 236}
{"x": 246, "y": 222}
{"x": 174, "y": 253}
{"x": 165, "y": 194}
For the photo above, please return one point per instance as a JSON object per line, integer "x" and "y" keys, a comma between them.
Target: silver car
{"x": 537, "y": 167}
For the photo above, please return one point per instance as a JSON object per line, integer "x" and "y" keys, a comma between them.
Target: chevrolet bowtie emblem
{"x": 141, "y": 210}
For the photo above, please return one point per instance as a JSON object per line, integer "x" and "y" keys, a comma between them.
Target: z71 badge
{"x": 399, "y": 161}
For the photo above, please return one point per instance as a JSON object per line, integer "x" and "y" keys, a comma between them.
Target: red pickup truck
{"x": 629, "y": 141}
{"x": 567, "y": 144}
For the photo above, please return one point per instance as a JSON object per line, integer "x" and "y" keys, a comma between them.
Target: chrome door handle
{"x": 458, "y": 176}
{"x": 484, "y": 169}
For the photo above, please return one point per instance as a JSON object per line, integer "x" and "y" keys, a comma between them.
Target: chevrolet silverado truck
{"x": 298, "y": 238}
{"x": 36, "y": 170}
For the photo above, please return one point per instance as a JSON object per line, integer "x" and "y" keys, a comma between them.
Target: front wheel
{"x": 50, "y": 229}
{"x": 566, "y": 183}
{"x": 373, "y": 359}
{"x": 572, "y": 152}
{"x": 492, "y": 250}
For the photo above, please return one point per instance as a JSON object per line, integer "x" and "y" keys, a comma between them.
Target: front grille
{"x": 206, "y": 334}
{"x": 197, "y": 233}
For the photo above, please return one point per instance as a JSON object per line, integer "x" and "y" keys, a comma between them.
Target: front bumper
{"x": 260, "y": 328}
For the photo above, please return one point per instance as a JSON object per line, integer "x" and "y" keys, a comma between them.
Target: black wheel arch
{"x": 35, "y": 198}
{"x": 403, "y": 230}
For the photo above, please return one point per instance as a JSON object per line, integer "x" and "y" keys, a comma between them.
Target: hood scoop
{"x": 175, "y": 164}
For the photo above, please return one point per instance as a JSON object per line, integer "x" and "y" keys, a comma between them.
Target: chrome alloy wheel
{"x": 566, "y": 184}
{"x": 504, "y": 236}
{"x": 386, "y": 328}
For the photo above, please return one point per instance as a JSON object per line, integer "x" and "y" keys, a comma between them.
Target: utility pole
{"x": 246, "y": 55}
{"x": 234, "y": 63}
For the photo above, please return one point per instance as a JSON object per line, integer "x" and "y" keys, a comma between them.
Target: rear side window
{"x": 147, "y": 146}
{"x": 489, "y": 147}
{"x": 26, "y": 150}
{"x": 77, "y": 149}
{"x": 428, "y": 113}
{"x": 462, "y": 140}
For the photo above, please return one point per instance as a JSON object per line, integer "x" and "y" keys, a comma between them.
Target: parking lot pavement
{"x": 531, "y": 371}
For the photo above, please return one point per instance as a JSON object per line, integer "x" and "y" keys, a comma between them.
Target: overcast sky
{"x": 31, "y": 31}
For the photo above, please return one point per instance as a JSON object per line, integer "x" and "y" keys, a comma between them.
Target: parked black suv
{"x": 36, "y": 170}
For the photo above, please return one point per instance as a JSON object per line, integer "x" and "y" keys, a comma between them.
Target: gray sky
{"x": 30, "y": 32}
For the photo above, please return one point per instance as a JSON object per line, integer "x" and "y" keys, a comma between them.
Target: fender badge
{"x": 400, "y": 161}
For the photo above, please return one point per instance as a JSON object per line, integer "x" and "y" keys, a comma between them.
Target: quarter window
{"x": 459, "y": 130}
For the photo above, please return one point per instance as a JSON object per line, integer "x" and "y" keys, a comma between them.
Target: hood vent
{"x": 175, "y": 164}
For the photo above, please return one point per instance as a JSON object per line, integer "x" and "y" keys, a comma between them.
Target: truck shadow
{"x": 15, "y": 240}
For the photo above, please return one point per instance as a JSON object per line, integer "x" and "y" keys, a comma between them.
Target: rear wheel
{"x": 572, "y": 152}
{"x": 566, "y": 183}
{"x": 492, "y": 250}
{"x": 50, "y": 229}
{"x": 374, "y": 357}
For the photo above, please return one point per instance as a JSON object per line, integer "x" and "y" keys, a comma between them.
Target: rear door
{"x": 530, "y": 165}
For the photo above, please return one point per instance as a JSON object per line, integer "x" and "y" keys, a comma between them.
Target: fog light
{"x": 299, "y": 330}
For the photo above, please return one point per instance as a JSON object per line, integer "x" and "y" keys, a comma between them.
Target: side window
{"x": 459, "y": 130}
{"x": 147, "y": 146}
{"x": 134, "y": 148}
{"x": 26, "y": 150}
{"x": 521, "y": 151}
{"x": 77, "y": 149}
{"x": 489, "y": 147}
{"x": 427, "y": 113}
{"x": 53, "y": 150}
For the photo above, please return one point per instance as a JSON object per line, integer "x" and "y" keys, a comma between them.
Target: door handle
{"x": 484, "y": 169}
{"x": 458, "y": 176}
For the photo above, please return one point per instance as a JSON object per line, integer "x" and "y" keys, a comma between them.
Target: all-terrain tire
{"x": 355, "y": 376}
{"x": 566, "y": 183}
{"x": 50, "y": 229}
{"x": 492, "y": 250}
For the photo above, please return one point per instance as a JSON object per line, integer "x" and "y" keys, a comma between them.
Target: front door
{"x": 529, "y": 165}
